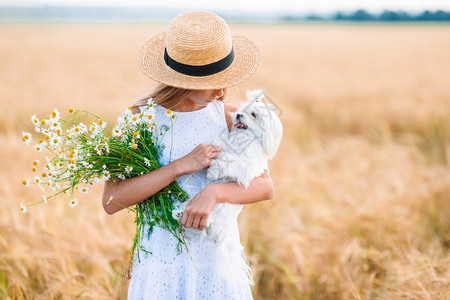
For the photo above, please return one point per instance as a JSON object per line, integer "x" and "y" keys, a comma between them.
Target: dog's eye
{"x": 254, "y": 115}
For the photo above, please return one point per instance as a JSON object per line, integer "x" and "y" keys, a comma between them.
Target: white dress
{"x": 210, "y": 270}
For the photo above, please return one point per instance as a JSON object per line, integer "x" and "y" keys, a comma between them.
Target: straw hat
{"x": 198, "y": 52}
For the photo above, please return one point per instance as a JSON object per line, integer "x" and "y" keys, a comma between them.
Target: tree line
{"x": 362, "y": 15}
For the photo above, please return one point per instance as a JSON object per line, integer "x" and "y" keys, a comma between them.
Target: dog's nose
{"x": 238, "y": 116}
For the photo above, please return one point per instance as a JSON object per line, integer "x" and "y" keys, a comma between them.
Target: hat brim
{"x": 246, "y": 62}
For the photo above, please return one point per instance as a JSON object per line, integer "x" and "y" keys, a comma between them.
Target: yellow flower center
{"x": 168, "y": 111}
{"x": 71, "y": 110}
{"x": 33, "y": 169}
{"x": 43, "y": 174}
{"x": 135, "y": 134}
{"x": 77, "y": 129}
{"x": 24, "y": 182}
{"x": 100, "y": 122}
{"x": 42, "y": 122}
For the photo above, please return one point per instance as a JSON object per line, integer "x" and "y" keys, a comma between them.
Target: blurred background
{"x": 362, "y": 202}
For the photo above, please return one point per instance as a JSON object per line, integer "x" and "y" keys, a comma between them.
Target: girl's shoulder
{"x": 229, "y": 108}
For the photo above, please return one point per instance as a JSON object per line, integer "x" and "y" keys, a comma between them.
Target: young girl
{"x": 194, "y": 61}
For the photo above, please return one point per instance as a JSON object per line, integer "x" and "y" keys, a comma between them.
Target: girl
{"x": 194, "y": 61}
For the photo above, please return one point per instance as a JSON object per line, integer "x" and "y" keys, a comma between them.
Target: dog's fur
{"x": 254, "y": 138}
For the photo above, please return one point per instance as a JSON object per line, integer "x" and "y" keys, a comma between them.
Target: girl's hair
{"x": 168, "y": 96}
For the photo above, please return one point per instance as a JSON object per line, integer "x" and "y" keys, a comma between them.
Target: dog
{"x": 254, "y": 138}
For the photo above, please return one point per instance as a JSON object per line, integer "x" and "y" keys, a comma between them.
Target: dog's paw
{"x": 213, "y": 174}
{"x": 216, "y": 170}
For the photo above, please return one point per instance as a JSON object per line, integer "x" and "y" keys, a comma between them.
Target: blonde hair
{"x": 168, "y": 96}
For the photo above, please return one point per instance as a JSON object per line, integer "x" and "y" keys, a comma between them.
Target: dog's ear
{"x": 255, "y": 95}
{"x": 273, "y": 131}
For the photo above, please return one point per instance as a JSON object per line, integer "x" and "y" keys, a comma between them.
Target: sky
{"x": 294, "y": 6}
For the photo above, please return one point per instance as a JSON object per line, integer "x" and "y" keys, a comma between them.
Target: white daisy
{"x": 36, "y": 123}
{"x": 55, "y": 186}
{"x": 84, "y": 190}
{"x": 117, "y": 131}
{"x": 72, "y": 167}
{"x": 121, "y": 177}
{"x": 26, "y": 182}
{"x": 102, "y": 123}
{"x": 136, "y": 134}
{"x": 55, "y": 125}
{"x": 134, "y": 119}
{"x": 110, "y": 198}
{"x": 132, "y": 145}
{"x": 26, "y": 137}
{"x": 35, "y": 120}
{"x": 106, "y": 176}
{"x": 54, "y": 141}
{"x": 23, "y": 208}
{"x": 73, "y": 202}
{"x": 147, "y": 162}
{"x": 128, "y": 169}
{"x": 55, "y": 115}
{"x": 44, "y": 198}
{"x": 38, "y": 147}
{"x": 169, "y": 113}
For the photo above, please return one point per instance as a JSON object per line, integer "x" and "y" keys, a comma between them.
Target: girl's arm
{"x": 128, "y": 192}
{"x": 198, "y": 210}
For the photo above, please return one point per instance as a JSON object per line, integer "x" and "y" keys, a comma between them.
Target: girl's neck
{"x": 185, "y": 106}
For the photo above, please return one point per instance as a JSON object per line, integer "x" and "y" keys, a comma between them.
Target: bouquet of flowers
{"x": 84, "y": 150}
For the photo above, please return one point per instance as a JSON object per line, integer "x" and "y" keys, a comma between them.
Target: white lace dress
{"x": 210, "y": 270}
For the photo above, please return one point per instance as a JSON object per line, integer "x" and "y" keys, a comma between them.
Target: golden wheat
{"x": 362, "y": 204}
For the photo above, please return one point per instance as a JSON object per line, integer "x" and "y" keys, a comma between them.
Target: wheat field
{"x": 362, "y": 177}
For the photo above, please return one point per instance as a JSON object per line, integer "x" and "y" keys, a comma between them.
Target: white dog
{"x": 254, "y": 138}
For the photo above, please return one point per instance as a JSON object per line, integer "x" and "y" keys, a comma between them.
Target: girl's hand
{"x": 199, "y": 158}
{"x": 197, "y": 211}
